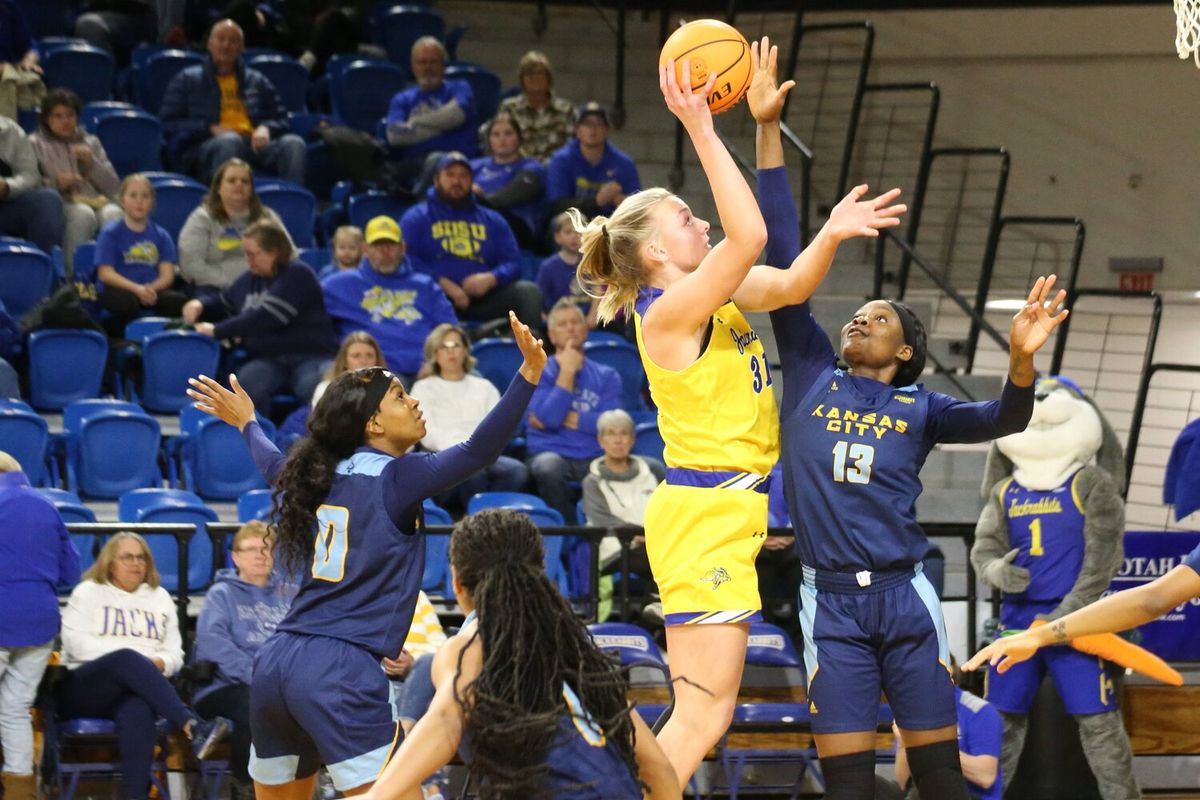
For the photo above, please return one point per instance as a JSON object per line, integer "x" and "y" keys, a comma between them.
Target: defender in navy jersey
{"x": 852, "y": 445}
{"x": 534, "y": 708}
{"x": 319, "y": 694}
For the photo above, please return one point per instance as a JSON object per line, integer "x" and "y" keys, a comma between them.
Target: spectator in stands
{"x": 20, "y": 74}
{"x": 589, "y": 172}
{"x": 28, "y": 209}
{"x": 454, "y": 402}
{"x": 210, "y": 242}
{"x": 74, "y": 164}
{"x": 222, "y": 109}
{"x": 434, "y": 116}
{"x": 38, "y": 558}
{"x": 511, "y": 183}
{"x": 359, "y": 350}
{"x": 120, "y": 643}
{"x": 545, "y": 119}
{"x": 618, "y": 487}
{"x": 277, "y": 312}
{"x": 120, "y": 25}
{"x": 135, "y": 261}
{"x": 556, "y": 275}
{"x": 240, "y": 611}
{"x": 348, "y": 250}
{"x": 386, "y": 298}
{"x": 572, "y": 394}
{"x": 469, "y": 249}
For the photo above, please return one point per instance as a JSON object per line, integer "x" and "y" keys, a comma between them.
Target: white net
{"x": 1187, "y": 29}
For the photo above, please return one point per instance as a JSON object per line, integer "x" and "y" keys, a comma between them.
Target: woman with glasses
{"x": 348, "y": 504}
{"x": 240, "y": 611}
{"x": 455, "y": 402}
{"x": 120, "y": 643}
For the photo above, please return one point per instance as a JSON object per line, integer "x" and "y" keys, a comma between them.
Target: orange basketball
{"x": 712, "y": 46}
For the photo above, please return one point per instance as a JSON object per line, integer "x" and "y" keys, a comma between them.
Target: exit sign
{"x": 1136, "y": 281}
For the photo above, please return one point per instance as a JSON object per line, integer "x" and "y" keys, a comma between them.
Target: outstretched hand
{"x": 531, "y": 349}
{"x": 764, "y": 97}
{"x": 1005, "y": 653}
{"x": 689, "y": 106}
{"x": 234, "y": 407}
{"x": 854, "y": 216}
{"x": 1033, "y": 324}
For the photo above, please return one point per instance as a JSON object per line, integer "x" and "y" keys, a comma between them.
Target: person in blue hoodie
{"x": 470, "y": 250}
{"x": 277, "y": 312}
{"x": 240, "y": 611}
{"x": 588, "y": 172}
{"x": 38, "y": 558}
{"x": 388, "y": 300}
{"x": 574, "y": 391}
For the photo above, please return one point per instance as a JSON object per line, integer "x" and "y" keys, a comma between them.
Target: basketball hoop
{"x": 1187, "y": 29}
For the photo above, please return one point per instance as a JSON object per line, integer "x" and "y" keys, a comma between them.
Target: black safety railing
{"x": 1139, "y": 412}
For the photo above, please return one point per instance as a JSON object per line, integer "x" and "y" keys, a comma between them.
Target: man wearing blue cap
{"x": 588, "y": 172}
{"x": 470, "y": 250}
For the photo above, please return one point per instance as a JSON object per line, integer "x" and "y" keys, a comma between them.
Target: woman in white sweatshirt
{"x": 454, "y": 402}
{"x": 120, "y": 642}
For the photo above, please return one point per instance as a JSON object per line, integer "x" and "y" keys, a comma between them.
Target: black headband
{"x": 377, "y": 388}
{"x": 907, "y": 323}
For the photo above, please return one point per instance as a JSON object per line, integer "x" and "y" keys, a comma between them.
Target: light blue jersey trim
{"x": 929, "y": 597}
{"x": 360, "y": 769}
{"x": 592, "y": 733}
{"x": 808, "y": 623}
{"x": 273, "y": 771}
{"x": 371, "y": 464}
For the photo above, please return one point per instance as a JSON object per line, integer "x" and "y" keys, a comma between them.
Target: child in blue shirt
{"x": 556, "y": 275}
{"x": 135, "y": 261}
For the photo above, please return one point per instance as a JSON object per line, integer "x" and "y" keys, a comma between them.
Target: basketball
{"x": 712, "y": 46}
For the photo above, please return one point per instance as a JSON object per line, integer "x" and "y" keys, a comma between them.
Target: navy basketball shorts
{"x": 870, "y": 632}
{"x": 1082, "y": 680}
{"x": 316, "y": 700}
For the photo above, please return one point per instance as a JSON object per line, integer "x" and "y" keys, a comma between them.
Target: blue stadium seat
{"x": 317, "y": 258}
{"x": 296, "y": 206}
{"x": 25, "y": 436}
{"x": 138, "y": 329}
{"x": 132, "y": 139}
{"x": 363, "y": 92}
{"x": 436, "y": 577}
{"x": 50, "y": 17}
{"x": 486, "y": 86}
{"x": 321, "y": 169}
{"x": 101, "y": 108}
{"x": 254, "y": 504}
{"x": 216, "y": 464}
{"x": 111, "y": 447}
{"x": 624, "y": 358}
{"x": 635, "y": 649}
{"x": 65, "y": 366}
{"x": 26, "y": 275}
{"x": 139, "y": 55}
{"x": 174, "y": 201}
{"x": 497, "y": 360}
{"x": 85, "y": 69}
{"x": 287, "y": 75}
{"x": 522, "y": 501}
{"x": 401, "y": 26}
{"x": 649, "y": 441}
{"x": 72, "y": 509}
{"x": 555, "y": 569}
{"x": 150, "y": 80}
{"x": 365, "y": 206}
{"x": 173, "y": 505}
{"x": 169, "y": 359}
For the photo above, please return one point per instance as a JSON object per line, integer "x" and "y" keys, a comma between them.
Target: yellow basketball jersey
{"x": 718, "y": 413}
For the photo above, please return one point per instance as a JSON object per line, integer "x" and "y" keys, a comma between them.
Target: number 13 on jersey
{"x": 852, "y": 462}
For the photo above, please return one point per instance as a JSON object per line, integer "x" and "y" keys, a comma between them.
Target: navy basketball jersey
{"x": 1047, "y": 528}
{"x": 366, "y": 570}
{"x": 852, "y": 450}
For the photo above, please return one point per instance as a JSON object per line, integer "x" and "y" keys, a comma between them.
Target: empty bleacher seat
{"x": 254, "y": 504}
{"x": 101, "y": 108}
{"x": 649, "y": 441}
{"x": 522, "y": 501}
{"x": 169, "y": 359}
{"x": 365, "y": 206}
{"x": 486, "y": 86}
{"x": 173, "y": 505}
{"x": 360, "y": 96}
{"x": 150, "y": 80}
{"x": 132, "y": 140}
{"x": 400, "y": 26}
{"x": 296, "y": 206}
{"x": 216, "y": 464}
{"x": 109, "y": 447}
{"x": 625, "y": 359}
{"x": 72, "y": 509}
{"x": 497, "y": 360}
{"x": 25, "y": 436}
{"x": 65, "y": 366}
{"x": 85, "y": 69}
{"x": 287, "y": 75}
{"x": 436, "y": 577}
{"x": 316, "y": 258}
{"x": 174, "y": 200}
{"x": 26, "y": 275}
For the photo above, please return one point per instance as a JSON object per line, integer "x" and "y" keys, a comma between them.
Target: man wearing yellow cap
{"x": 387, "y": 299}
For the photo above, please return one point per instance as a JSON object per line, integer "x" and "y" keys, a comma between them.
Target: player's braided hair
{"x": 336, "y": 427}
{"x": 611, "y": 267}
{"x": 533, "y": 644}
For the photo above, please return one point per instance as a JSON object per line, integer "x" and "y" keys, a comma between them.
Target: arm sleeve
{"x": 77, "y": 640}
{"x": 953, "y": 420}
{"x": 525, "y": 187}
{"x": 411, "y": 478}
{"x": 193, "y": 247}
{"x": 986, "y": 732}
{"x": 106, "y": 250}
{"x": 610, "y": 398}
{"x": 166, "y": 246}
{"x": 558, "y": 180}
{"x": 991, "y": 532}
{"x": 26, "y": 174}
{"x": 550, "y": 402}
{"x": 170, "y": 650}
{"x": 174, "y": 111}
{"x": 595, "y": 506}
{"x": 68, "y": 559}
{"x": 1103, "y": 534}
{"x": 436, "y": 121}
{"x": 280, "y": 307}
{"x": 215, "y": 640}
{"x": 263, "y": 451}
{"x": 507, "y": 260}
{"x": 101, "y": 173}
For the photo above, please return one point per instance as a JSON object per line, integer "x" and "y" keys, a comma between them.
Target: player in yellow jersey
{"x": 704, "y": 526}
